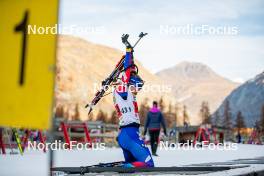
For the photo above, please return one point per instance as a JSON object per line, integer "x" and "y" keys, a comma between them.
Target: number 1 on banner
{"x": 22, "y": 27}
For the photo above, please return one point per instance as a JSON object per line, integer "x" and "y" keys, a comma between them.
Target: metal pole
{"x": 141, "y": 35}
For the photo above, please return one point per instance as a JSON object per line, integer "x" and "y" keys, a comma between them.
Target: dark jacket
{"x": 154, "y": 120}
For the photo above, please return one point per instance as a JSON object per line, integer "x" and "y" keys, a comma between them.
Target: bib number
{"x": 125, "y": 110}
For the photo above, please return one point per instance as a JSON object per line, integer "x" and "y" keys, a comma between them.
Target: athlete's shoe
{"x": 127, "y": 165}
{"x": 154, "y": 154}
{"x": 135, "y": 164}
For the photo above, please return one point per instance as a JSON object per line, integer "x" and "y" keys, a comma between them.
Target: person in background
{"x": 239, "y": 138}
{"x": 153, "y": 123}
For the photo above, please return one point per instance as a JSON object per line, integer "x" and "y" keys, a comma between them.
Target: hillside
{"x": 81, "y": 66}
{"x": 195, "y": 82}
{"x": 247, "y": 98}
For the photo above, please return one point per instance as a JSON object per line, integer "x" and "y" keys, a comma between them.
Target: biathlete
{"x": 135, "y": 152}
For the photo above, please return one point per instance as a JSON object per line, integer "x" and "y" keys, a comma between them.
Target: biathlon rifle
{"x": 115, "y": 73}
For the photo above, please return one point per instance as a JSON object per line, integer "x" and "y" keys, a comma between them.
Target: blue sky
{"x": 237, "y": 57}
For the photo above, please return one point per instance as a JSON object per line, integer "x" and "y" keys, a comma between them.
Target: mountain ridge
{"x": 81, "y": 66}
{"x": 248, "y": 98}
{"x": 81, "y": 63}
{"x": 194, "y": 82}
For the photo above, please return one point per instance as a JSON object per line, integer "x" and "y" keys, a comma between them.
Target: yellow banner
{"x": 27, "y": 66}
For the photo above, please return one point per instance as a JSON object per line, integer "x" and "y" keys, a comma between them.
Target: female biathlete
{"x": 135, "y": 152}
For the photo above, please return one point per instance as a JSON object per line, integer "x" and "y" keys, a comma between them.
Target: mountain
{"x": 193, "y": 83}
{"x": 247, "y": 98}
{"x": 81, "y": 66}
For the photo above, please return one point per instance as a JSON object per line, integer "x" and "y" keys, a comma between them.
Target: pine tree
{"x": 169, "y": 116}
{"x": 143, "y": 111}
{"x": 185, "y": 115}
{"x": 67, "y": 114}
{"x": 227, "y": 120}
{"x": 114, "y": 118}
{"x": 76, "y": 115}
{"x": 217, "y": 119}
{"x": 59, "y": 111}
{"x": 170, "y": 108}
{"x": 205, "y": 113}
{"x": 90, "y": 116}
{"x": 101, "y": 116}
{"x": 176, "y": 117}
{"x": 262, "y": 120}
{"x": 257, "y": 126}
{"x": 161, "y": 104}
{"x": 240, "y": 123}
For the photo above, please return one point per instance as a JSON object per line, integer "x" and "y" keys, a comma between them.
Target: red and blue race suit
{"x": 135, "y": 152}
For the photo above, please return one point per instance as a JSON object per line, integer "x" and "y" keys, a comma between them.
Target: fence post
{"x": 87, "y": 135}
{"x": 65, "y": 132}
{"x": 2, "y": 145}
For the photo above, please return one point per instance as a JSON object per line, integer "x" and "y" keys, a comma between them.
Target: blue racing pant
{"x": 134, "y": 149}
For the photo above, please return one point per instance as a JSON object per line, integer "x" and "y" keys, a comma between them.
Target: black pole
{"x": 141, "y": 35}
